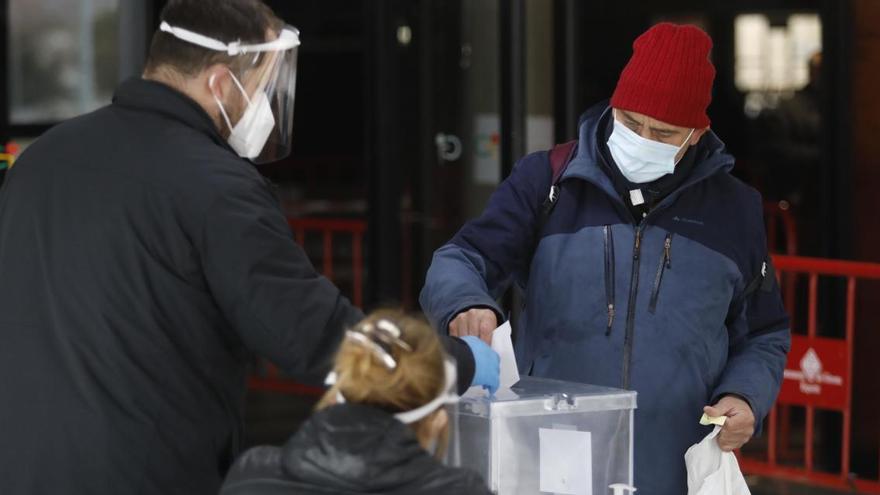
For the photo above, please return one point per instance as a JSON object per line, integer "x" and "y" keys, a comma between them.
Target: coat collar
{"x": 711, "y": 156}
{"x": 153, "y": 96}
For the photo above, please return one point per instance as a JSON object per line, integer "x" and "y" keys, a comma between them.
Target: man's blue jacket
{"x": 680, "y": 306}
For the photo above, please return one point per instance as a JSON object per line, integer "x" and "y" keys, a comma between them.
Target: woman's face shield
{"x": 265, "y": 73}
{"x": 446, "y": 401}
{"x": 380, "y": 338}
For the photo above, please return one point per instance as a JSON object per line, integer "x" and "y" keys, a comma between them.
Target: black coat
{"x": 141, "y": 261}
{"x": 346, "y": 450}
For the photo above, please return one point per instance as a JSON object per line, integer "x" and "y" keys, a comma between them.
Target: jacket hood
{"x": 711, "y": 154}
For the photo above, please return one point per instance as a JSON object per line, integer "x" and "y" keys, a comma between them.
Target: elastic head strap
{"x": 688, "y": 138}
{"x": 240, "y": 87}
{"x": 374, "y": 347}
{"x": 198, "y": 39}
{"x": 220, "y": 104}
{"x": 287, "y": 39}
{"x": 445, "y": 397}
{"x": 421, "y": 412}
{"x": 380, "y": 338}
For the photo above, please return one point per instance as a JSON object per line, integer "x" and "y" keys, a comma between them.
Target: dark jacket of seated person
{"x": 380, "y": 428}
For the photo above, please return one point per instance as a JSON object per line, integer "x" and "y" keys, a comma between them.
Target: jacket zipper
{"x": 630, "y": 320}
{"x": 631, "y": 308}
{"x": 609, "y": 277}
{"x": 665, "y": 264}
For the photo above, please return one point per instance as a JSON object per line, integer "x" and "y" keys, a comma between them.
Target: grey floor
{"x": 271, "y": 418}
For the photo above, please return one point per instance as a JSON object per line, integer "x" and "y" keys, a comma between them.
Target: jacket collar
{"x": 153, "y": 96}
{"x": 358, "y": 448}
{"x": 710, "y": 155}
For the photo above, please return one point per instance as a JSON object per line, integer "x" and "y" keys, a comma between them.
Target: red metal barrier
{"x": 818, "y": 376}
{"x": 267, "y": 376}
{"x": 778, "y": 216}
{"x": 328, "y": 228}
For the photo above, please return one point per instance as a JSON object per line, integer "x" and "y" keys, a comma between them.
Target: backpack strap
{"x": 560, "y": 157}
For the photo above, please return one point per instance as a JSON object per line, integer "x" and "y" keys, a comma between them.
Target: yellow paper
{"x": 713, "y": 420}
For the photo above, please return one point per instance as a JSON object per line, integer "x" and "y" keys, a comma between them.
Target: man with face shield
{"x": 143, "y": 260}
{"x": 643, "y": 259}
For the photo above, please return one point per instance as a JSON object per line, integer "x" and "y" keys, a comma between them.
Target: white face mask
{"x": 642, "y": 160}
{"x": 250, "y": 133}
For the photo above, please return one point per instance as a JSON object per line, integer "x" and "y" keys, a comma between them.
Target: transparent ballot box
{"x": 547, "y": 436}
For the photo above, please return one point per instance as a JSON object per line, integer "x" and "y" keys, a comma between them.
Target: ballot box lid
{"x": 539, "y": 396}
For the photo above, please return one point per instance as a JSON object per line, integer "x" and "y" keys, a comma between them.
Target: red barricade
{"x": 818, "y": 376}
{"x": 266, "y": 376}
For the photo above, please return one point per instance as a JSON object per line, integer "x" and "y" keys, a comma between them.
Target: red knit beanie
{"x": 669, "y": 76}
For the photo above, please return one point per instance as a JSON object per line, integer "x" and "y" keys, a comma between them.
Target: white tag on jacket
{"x": 635, "y": 196}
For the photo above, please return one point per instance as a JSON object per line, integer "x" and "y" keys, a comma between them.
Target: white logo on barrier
{"x": 621, "y": 489}
{"x": 811, "y": 375}
{"x": 811, "y": 366}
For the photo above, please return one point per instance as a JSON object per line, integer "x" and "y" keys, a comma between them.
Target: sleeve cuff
{"x": 759, "y": 417}
{"x": 499, "y": 316}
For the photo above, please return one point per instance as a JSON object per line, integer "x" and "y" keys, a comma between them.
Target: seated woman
{"x": 380, "y": 428}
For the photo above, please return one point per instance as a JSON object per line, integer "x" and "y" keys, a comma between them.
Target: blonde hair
{"x": 418, "y": 377}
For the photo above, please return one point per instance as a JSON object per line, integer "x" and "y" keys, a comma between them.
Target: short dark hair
{"x": 224, "y": 20}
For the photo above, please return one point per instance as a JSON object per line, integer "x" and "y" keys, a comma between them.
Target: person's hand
{"x": 479, "y": 322}
{"x": 487, "y": 364}
{"x": 740, "y": 425}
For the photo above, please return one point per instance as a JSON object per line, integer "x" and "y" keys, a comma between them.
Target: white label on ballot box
{"x": 566, "y": 462}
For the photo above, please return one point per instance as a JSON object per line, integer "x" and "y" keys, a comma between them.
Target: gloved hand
{"x": 487, "y": 364}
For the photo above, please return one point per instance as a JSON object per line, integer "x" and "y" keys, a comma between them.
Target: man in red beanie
{"x": 644, "y": 263}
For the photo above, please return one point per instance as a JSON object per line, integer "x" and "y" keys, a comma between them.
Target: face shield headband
{"x": 447, "y": 396}
{"x": 379, "y": 338}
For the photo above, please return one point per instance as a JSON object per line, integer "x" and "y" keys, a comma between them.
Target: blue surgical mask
{"x": 642, "y": 160}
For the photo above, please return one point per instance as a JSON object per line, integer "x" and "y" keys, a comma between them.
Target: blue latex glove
{"x": 487, "y": 364}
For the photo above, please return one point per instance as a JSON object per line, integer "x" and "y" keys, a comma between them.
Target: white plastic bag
{"x": 712, "y": 471}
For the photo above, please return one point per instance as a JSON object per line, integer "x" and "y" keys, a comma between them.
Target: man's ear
{"x": 698, "y": 133}
{"x": 217, "y": 81}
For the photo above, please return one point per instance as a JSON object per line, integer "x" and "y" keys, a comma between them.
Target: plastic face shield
{"x": 269, "y": 68}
